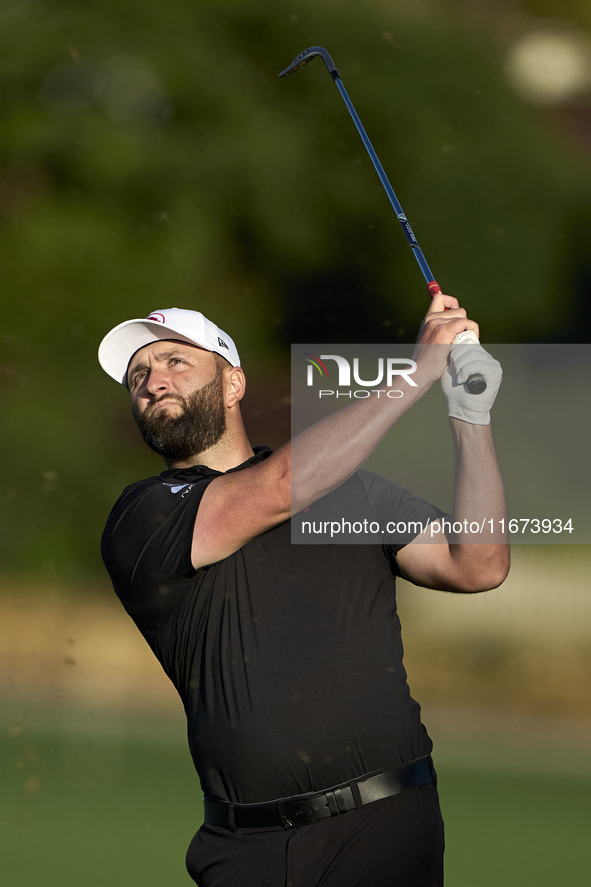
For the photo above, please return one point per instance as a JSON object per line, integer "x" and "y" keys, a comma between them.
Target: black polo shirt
{"x": 287, "y": 657}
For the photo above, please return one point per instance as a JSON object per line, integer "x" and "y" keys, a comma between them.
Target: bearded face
{"x": 198, "y": 427}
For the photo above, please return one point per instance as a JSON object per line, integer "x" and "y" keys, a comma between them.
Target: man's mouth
{"x": 164, "y": 403}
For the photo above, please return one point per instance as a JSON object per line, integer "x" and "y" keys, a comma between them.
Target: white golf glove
{"x": 467, "y": 358}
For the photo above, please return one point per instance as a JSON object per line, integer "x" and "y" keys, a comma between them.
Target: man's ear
{"x": 235, "y": 386}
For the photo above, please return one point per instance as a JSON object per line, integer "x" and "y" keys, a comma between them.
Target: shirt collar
{"x": 193, "y": 471}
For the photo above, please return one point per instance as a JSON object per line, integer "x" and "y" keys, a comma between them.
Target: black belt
{"x": 306, "y": 809}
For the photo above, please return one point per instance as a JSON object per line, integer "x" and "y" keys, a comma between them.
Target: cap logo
{"x": 159, "y": 318}
{"x": 222, "y": 343}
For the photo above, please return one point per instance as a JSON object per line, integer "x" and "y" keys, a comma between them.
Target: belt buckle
{"x": 308, "y": 809}
{"x": 303, "y": 810}
{"x": 283, "y": 817}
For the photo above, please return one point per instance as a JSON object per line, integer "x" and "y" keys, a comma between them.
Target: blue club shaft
{"x": 302, "y": 59}
{"x": 412, "y": 240}
{"x": 476, "y": 383}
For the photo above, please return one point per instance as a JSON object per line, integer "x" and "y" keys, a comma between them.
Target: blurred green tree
{"x": 150, "y": 156}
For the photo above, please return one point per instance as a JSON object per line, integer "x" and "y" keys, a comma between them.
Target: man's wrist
{"x": 465, "y": 432}
{"x": 468, "y": 417}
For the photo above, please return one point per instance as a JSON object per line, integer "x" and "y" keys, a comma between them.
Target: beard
{"x": 200, "y": 425}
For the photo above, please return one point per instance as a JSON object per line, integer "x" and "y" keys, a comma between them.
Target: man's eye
{"x": 174, "y": 360}
{"x": 138, "y": 378}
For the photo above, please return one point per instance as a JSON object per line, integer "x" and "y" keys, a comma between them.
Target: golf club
{"x": 476, "y": 384}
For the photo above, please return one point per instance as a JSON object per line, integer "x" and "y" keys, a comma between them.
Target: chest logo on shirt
{"x": 176, "y": 488}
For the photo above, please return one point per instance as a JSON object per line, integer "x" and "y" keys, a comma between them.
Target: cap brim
{"x": 119, "y": 346}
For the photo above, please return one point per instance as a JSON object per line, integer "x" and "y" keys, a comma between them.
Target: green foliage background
{"x": 150, "y": 157}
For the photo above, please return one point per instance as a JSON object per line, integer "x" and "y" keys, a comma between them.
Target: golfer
{"x": 310, "y": 750}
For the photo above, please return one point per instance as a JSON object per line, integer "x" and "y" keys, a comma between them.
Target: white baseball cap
{"x": 119, "y": 346}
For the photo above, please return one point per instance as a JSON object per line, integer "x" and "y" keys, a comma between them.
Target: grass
{"x": 83, "y": 807}
{"x": 515, "y": 829}
{"x": 82, "y": 812}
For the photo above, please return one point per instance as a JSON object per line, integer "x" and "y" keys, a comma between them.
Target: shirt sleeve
{"x": 365, "y": 510}
{"x": 402, "y": 516}
{"x": 146, "y": 546}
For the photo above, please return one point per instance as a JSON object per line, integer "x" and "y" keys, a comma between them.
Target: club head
{"x": 306, "y": 56}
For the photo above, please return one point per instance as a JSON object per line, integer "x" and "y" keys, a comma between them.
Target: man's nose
{"x": 158, "y": 381}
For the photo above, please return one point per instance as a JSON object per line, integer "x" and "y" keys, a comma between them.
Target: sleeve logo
{"x": 176, "y": 488}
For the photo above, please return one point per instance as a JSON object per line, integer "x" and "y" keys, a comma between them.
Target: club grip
{"x": 476, "y": 383}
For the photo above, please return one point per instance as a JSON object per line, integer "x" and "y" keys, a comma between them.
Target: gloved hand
{"x": 466, "y": 359}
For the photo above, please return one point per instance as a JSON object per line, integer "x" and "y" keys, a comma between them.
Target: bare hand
{"x": 443, "y": 321}
{"x": 441, "y": 324}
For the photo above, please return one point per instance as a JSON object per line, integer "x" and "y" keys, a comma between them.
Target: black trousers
{"x": 396, "y": 842}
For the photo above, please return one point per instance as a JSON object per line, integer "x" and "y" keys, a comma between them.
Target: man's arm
{"x": 241, "y": 505}
{"x": 477, "y": 558}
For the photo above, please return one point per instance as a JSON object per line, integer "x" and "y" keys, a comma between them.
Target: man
{"x": 315, "y": 766}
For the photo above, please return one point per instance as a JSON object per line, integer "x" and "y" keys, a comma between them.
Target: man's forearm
{"x": 479, "y": 504}
{"x": 330, "y": 451}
